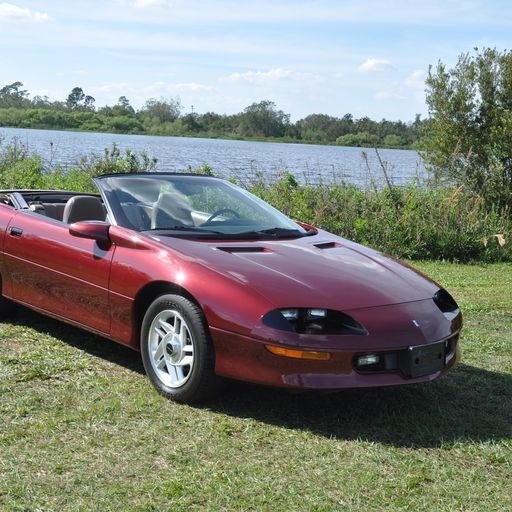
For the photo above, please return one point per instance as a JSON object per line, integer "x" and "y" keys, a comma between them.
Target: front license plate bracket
{"x": 422, "y": 360}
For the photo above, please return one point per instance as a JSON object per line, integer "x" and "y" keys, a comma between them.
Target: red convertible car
{"x": 207, "y": 281}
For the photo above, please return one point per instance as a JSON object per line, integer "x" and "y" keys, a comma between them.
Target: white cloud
{"x": 270, "y": 77}
{"x": 410, "y": 88}
{"x": 163, "y": 88}
{"x": 192, "y": 87}
{"x": 371, "y": 65}
{"x": 74, "y": 72}
{"x": 416, "y": 80}
{"x": 111, "y": 88}
{"x": 12, "y": 12}
{"x": 148, "y": 4}
{"x": 390, "y": 94}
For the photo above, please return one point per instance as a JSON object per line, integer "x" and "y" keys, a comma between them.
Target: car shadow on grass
{"x": 80, "y": 339}
{"x": 467, "y": 404}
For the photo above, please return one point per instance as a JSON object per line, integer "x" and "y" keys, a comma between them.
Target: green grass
{"x": 82, "y": 429}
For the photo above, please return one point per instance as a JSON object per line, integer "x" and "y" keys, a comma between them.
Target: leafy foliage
{"x": 469, "y": 138}
{"x": 21, "y": 170}
{"x": 78, "y": 100}
{"x": 408, "y": 222}
{"x": 161, "y": 110}
{"x": 263, "y": 119}
{"x": 12, "y": 95}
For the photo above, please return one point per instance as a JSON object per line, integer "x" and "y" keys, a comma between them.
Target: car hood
{"x": 315, "y": 271}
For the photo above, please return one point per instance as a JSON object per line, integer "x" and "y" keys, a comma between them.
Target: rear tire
{"x": 177, "y": 350}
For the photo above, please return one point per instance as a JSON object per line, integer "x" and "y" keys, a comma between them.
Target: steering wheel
{"x": 220, "y": 212}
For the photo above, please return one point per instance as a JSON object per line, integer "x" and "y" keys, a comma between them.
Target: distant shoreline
{"x": 277, "y": 140}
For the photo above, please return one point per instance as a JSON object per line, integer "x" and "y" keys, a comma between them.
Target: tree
{"x": 123, "y": 107}
{"x": 263, "y": 119}
{"x": 41, "y": 102}
{"x": 77, "y": 100}
{"x": 75, "y": 97}
{"x": 321, "y": 128}
{"x": 13, "y": 96}
{"x": 469, "y": 138}
{"x": 360, "y": 139}
{"x": 191, "y": 122}
{"x": 165, "y": 111}
{"x": 124, "y": 102}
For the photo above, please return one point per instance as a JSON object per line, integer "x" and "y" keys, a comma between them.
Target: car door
{"x": 57, "y": 273}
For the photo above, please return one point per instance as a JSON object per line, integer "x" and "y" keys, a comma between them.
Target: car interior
{"x": 68, "y": 208}
{"x": 62, "y": 206}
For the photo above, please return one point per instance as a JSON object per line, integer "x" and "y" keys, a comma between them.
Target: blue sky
{"x": 366, "y": 57}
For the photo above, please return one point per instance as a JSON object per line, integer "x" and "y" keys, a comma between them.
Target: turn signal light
{"x": 298, "y": 354}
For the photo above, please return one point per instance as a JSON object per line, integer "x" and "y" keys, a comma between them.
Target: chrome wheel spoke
{"x": 161, "y": 364}
{"x": 182, "y": 334}
{"x": 160, "y": 350}
{"x": 166, "y": 327}
{"x": 179, "y": 373}
{"x": 160, "y": 332}
{"x": 186, "y": 361}
{"x": 171, "y": 370}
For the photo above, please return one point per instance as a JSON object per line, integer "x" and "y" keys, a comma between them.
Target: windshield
{"x": 185, "y": 205}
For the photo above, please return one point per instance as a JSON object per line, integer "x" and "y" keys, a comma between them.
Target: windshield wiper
{"x": 285, "y": 232}
{"x": 190, "y": 229}
{"x": 272, "y": 233}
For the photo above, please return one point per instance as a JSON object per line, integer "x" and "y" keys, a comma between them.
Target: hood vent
{"x": 243, "y": 249}
{"x": 327, "y": 245}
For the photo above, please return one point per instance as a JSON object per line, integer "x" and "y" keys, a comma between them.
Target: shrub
{"x": 469, "y": 137}
{"x": 407, "y": 222}
{"x": 19, "y": 169}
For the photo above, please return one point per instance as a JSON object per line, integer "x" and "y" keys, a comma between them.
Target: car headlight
{"x": 446, "y": 303}
{"x": 313, "y": 321}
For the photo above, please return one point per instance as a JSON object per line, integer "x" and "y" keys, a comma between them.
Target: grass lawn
{"x": 81, "y": 428}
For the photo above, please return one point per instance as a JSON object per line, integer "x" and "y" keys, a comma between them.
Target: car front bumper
{"x": 245, "y": 358}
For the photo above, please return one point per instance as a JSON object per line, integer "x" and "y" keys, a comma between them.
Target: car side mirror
{"x": 91, "y": 229}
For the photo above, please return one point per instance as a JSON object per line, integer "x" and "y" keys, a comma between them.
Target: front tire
{"x": 177, "y": 350}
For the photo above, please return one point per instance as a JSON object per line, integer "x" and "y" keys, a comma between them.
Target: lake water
{"x": 242, "y": 159}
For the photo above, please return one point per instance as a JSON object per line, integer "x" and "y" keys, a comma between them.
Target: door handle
{"x": 14, "y": 231}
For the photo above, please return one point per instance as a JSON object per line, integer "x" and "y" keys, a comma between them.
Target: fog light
{"x": 368, "y": 359}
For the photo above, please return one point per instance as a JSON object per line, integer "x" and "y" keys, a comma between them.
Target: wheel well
{"x": 147, "y": 295}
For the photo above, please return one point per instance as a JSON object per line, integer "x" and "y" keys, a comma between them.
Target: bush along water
{"x": 413, "y": 222}
{"x": 21, "y": 170}
{"x": 416, "y": 222}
